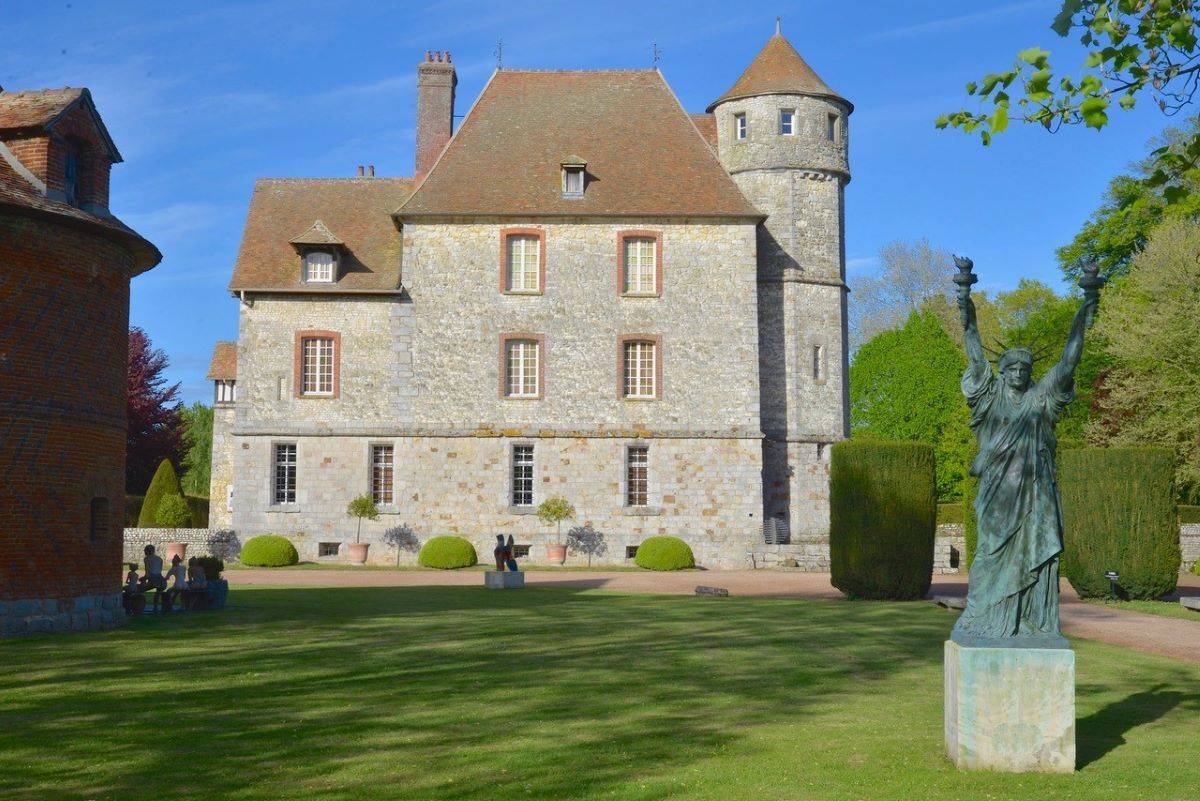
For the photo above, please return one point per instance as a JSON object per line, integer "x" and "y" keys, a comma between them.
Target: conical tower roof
{"x": 777, "y": 70}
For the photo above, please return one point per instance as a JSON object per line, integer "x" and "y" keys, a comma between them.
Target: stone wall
{"x": 200, "y": 541}
{"x": 1189, "y": 544}
{"x": 46, "y": 615}
{"x": 704, "y": 490}
{"x": 220, "y": 487}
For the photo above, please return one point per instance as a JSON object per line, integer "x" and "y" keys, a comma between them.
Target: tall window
{"x": 818, "y": 362}
{"x": 318, "y": 267}
{"x": 522, "y": 475}
{"x": 523, "y": 254}
{"x": 787, "y": 121}
{"x": 739, "y": 126}
{"x": 573, "y": 181}
{"x": 831, "y": 127}
{"x": 71, "y": 174}
{"x": 285, "y": 473}
{"x": 382, "y": 469}
{"x": 98, "y": 527}
{"x": 637, "y": 476}
{"x": 224, "y": 391}
{"x": 317, "y": 366}
{"x": 640, "y": 374}
{"x": 521, "y": 359}
{"x": 641, "y": 269}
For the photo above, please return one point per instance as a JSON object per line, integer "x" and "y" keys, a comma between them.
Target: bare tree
{"x": 402, "y": 538}
{"x": 586, "y": 540}
{"x": 910, "y": 276}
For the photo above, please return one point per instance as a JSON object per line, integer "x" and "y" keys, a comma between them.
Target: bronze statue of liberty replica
{"x": 1012, "y": 600}
{"x": 1009, "y": 675}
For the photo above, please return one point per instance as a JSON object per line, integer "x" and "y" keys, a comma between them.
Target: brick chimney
{"x": 435, "y": 108}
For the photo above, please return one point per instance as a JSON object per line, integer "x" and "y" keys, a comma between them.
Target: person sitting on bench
{"x": 178, "y": 575}
{"x": 197, "y": 585}
{"x": 153, "y": 578}
{"x": 131, "y": 589}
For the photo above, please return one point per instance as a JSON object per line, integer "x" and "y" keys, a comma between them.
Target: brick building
{"x": 584, "y": 291}
{"x": 65, "y": 267}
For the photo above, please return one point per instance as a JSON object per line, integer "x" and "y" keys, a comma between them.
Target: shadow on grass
{"x": 1105, "y": 729}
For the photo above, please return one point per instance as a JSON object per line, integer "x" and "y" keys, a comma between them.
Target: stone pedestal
{"x": 1010, "y": 709}
{"x": 504, "y": 580}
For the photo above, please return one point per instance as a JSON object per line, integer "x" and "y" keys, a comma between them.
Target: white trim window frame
{"x": 284, "y": 469}
{"x": 383, "y": 473}
{"x": 787, "y": 122}
{"x": 521, "y": 476}
{"x": 740, "y": 130}
{"x": 641, "y": 269}
{"x": 316, "y": 365}
{"x": 523, "y": 254}
{"x": 224, "y": 391}
{"x": 521, "y": 359}
{"x": 319, "y": 267}
{"x": 637, "y": 476}
{"x": 640, "y": 369}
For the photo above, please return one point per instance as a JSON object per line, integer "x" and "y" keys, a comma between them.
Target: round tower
{"x": 783, "y": 135}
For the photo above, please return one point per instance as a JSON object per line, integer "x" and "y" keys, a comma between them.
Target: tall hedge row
{"x": 883, "y": 516}
{"x": 1119, "y": 514}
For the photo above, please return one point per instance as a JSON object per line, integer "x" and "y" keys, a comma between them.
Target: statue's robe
{"x": 1013, "y": 588}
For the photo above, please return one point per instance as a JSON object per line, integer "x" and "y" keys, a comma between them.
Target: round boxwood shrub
{"x": 447, "y": 553}
{"x": 664, "y": 553}
{"x": 269, "y": 550}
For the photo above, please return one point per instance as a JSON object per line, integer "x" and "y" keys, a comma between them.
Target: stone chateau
{"x": 583, "y": 290}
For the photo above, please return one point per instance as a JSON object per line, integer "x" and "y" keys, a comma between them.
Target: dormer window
{"x": 71, "y": 174}
{"x": 318, "y": 267}
{"x": 224, "y": 391}
{"x": 573, "y": 173}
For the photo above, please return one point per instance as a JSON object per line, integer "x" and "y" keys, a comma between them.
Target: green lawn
{"x": 446, "y": 693}
{"x": 1162, "y": 608}
{"x": 482, "y": 566}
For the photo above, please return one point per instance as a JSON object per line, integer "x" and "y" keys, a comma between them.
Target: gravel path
{"x": 1151, "y": 633}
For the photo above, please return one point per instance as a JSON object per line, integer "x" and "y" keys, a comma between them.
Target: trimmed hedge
{"x": 133, "y": 507}
{"x": 165, "y": 482}
{"x": 269, "y": 550}
{"x": 447, "y": 553}
{"x": 198, "y": 505}
{"x": 950, "y": 513}
{"x": 883, "y": 516}
{"x": 173, "y": 512}
{"x": 1119, "y": 514}
{"x": 664, "y": 553}
{"x": 1189, "y": 514}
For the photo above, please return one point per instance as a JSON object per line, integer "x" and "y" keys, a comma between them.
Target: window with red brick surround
{"x": 516, "y": 382}
{"x": 623, "y": 267}
{"x": 324, "y": 379}
{"x": 518, "y": 234}
{"x": 631, "y": 366}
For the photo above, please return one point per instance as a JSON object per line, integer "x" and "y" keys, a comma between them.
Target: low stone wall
{"x": 200, "y": 542}
{"x": 806, "y": 554}
{"x": 949, "y": 544}
{"x": 44, "y": 615}
{"x": 1189, "y": 544}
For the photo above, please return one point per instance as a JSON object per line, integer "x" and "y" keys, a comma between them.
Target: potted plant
{"x": 556, "y": 509}
{"x": 173, "y": 512}
{"x": 360, "y": 507}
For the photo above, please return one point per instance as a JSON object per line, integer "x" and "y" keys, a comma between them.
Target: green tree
{"x": 554, "y": 510}
{"x": 360, "y": 507}
{"x": 1130, "y": 210}
{"x": 165, "y": 482}
{"x": 197, "y": 436}
{"x": 1134, "y": 48}
{"x": 904, "y": 385}
{"x": 1150, "y": 330}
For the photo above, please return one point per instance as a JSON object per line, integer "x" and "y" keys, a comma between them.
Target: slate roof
{"x": 224, "y": 362}
{"x": 41, "y": 109}
{"x": 357, "y": 209}
{"x": 644, "y": 155}
{"x": 778, "y": 69}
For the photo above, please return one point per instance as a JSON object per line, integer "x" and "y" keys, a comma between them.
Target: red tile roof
{"x": 357, "y": 210}
{"x": 706, "y": 124}
{"x": 644, "y": 156}
{"x": 41, "y": 109}
{"x": 777, "y": 69}
{"x": 224, "y": 362}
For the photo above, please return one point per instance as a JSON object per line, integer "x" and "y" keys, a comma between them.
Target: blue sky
{"x": 202, "y": 98}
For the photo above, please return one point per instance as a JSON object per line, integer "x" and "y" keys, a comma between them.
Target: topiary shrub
{"x": 447, "y": 553}
{"x": 883, "y": 515}
{"x": 269, "y": 550}
{"x": 212, "y": 566}
{"x": 165, "y": 482}
{"x": 664, "y": 553}
{"x": 950, "y": 513}
{"x": 199, "y": 508}
{"x": 133, "y": 507}
{"x": 173, "y": 512}
{"x": 1118, "y": 507}
{"x": 1189, "y": 514}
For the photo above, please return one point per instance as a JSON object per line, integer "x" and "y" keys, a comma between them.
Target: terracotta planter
{"x": 173, "y": 549}
{"x": 557, "y": 553}
{"x": 358, "y": 552}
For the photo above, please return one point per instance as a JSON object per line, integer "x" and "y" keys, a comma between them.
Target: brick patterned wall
{"x": 64, "y": 311}
{"x": 46, "y": 157}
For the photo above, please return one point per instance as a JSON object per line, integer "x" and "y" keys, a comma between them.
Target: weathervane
{"x": 499, "y": 52}
{"x": 779, "y": 26}
{"x": 655, "y": 53}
